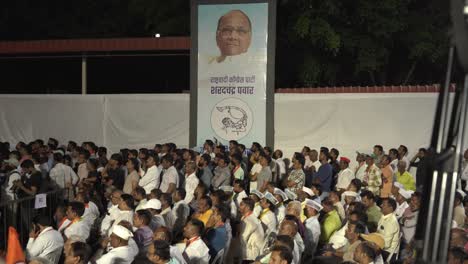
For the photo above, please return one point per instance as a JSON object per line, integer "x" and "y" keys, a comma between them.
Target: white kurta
{"x": 257, "y": 210}
{"x": 269, "y": 222}
{"x": 150, "y": 180}
{"x": 121, "y": 255}
{"x": 390, "y": 229}
{"x": 170, "y": 176}
{"x": 120, "y": 216}
{"x": 80, "y": 228}
{"x": 281, "y": 213}
{"x": 198, "y": 252}
{"x": 338, "y": 238}
{"x": 168, "y": 216}
{"x": 252, "y": 237}
{"x": 313, "y": 232}
{"x": 344, "y": 178}
{"x": 62, "y": 175}
{"x": 401, "y": 209}
{"x": 48, "y": 245}
{"x": 91, "y": 213}
{"x": 360, "y": 171}
{"x": 108, "y": 218}
{"x": 191, "y": 183}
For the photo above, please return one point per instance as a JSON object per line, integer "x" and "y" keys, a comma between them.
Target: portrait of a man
{"x": 233, "y": 34}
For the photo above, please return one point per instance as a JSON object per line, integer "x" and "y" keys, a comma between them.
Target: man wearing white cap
{"x": 401, "y": 199}
{"x": 305, "y": 193}
{"x": 312, "y": 225}
{"x": 280, "y": 209}
{"x": 256, "y": 197}
{"x": 349, "y": 197}
{"x": 267, "y": 216}
{"x": 154, "y": 206}
{"x": 120, "y": 252}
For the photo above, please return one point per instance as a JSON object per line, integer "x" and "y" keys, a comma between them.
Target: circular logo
{"x": 231, "y": 119}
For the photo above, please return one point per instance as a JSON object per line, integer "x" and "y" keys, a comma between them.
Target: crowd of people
{"x": 227, "y": 204}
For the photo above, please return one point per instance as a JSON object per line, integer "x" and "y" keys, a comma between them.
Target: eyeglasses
{"x": 227, "y": 31}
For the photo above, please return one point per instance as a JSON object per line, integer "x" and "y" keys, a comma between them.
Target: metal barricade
{"x": 19, "y": 213}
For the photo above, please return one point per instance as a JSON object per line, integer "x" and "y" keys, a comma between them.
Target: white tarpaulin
{"x": 348, "y": 122}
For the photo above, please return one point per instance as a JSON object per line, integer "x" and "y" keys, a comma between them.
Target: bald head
{"x": 401, "y": 166}
{"x": 294, "y": 208}
{"x": 288, "y": 228}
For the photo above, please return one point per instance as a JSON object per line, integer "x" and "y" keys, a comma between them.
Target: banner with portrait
{"x": 232, "y": 82}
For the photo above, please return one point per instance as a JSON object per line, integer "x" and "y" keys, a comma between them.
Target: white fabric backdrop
{"x": 348, "y": 122}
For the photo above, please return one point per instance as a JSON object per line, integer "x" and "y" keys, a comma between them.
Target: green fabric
{"x": 331, "y": 223}
{"x": 407, "y": 180}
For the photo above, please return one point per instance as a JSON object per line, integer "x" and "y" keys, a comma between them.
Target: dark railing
{"x": 19, "y": 213}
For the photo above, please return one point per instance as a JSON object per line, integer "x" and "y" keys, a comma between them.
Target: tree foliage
{"x": 319, "y": 43}
{"x": 361, "y": 42}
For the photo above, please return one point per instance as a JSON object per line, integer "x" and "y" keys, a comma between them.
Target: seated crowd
{"x": 227, "y": 204}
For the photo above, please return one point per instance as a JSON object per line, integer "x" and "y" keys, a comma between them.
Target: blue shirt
{"x": 325, "y": 175}
{"x": 216, "y": 239}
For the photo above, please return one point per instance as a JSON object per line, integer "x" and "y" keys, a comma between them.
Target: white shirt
{"x": 141, "y": 204}
{"x": 121, "y": 255}
{"x": 91, "y": 213}
{"x": 312, "y": 227}
{"x": 390, "y": 229}
{"x": 256, "y": 168}
{"x": 344, "y": 178}
{"x": 341, "y": 211}
{"x": 268, "y": 222}
{"x": 281, "y": 213}
{"x": 401, "y": 209}
{"x": 176, "y": 254}
{"x": 170, "y": 176}
{"x": 191, "y": 183}
{"x": 361, "y": 171}
{"x": 65, "y": 223}
{"x": 281, "y": 165}
{"x": 48, "y": 245}
{"x": 62, "y": 174}
{"x": 80, "y": 228}
{"x": 394, "y": 164}
{"x": 308, "y": 163}
{"x": 316, "y": 164}
{"x": 122, "y": 216}
{"x": 251, "y": 238}
{"x": 150, "y": 180}
{"x": 338, "y": 238}
{"x": 239, "y": 198}
{"x": 108, "y": 218}
{"x": 408, "y": 227}
{"x": 168, "y": 216}
{"x": 197, "y": 251}
{"x": 14, "y": 175}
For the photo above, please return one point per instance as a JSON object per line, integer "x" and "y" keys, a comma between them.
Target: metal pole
{"x": 445, "y": 114}
{"x": 84, "y": 77}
